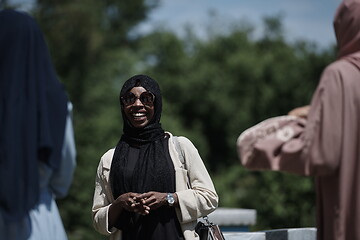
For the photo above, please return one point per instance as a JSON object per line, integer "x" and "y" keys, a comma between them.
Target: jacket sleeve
{"x": 199, "y": 198}
{"x": 102, "y": 200}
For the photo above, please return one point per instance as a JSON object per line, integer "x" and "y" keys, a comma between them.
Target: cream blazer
{"x": 197, "y": 200}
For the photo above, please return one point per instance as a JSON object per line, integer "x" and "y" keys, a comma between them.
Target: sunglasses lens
{"x": 129, "y": 98}
{"x": 147, "y": 98}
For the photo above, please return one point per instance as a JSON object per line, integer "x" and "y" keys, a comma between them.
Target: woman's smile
{"x": 139, "y": 115}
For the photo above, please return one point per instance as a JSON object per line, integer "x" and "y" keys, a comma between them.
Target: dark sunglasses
{"x": 147, "y": 98}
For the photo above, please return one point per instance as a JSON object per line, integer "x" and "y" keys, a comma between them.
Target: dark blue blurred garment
{"x": 33, "y": 110}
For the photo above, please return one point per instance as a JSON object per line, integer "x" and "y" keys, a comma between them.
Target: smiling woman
{"x": 142, "y": 186}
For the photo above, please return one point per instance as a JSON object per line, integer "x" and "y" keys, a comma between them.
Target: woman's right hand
{"x": 126, "y": 202}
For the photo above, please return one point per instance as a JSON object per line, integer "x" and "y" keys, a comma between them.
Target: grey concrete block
{"x": 233, "y": 217}
{"x": 277, "y": 234}
{"x": 291, "y": 234}
{"x": 244, "y": 235}
{"x": 302, "y": 234}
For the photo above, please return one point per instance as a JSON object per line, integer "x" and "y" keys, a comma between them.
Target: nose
{"x": 138, "y": 102}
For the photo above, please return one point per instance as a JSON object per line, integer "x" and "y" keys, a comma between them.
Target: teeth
{"x": 139, "y": 114}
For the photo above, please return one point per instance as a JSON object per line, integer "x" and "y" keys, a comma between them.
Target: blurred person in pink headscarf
{"x": 323, "y": 139}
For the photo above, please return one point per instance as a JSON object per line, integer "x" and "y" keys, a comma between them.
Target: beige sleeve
{"x": 201, "y": 199}
{"x": 102, "y": 196}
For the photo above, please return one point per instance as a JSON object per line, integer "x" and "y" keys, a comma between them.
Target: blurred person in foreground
{"x": 152, "y": 185}
{"x": 323, "y": 139}
{"x": 37, "y": 150}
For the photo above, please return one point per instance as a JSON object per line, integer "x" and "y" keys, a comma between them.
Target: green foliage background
{"x": 213, "y": 89}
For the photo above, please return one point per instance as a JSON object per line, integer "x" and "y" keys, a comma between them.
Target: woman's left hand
{"x": 153, "y": 200}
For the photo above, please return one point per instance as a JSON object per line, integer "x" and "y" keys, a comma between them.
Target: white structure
{"x": 279, "y": 234}
{"x": 233, "y": 217}
{"x": 235, "y": 223}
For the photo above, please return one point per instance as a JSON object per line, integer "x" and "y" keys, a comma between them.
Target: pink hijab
{"x": 347, "y": 26}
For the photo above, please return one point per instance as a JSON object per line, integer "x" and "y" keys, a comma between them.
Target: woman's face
{"x": 138, "y": 113}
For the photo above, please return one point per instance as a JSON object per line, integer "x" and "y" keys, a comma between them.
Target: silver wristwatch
{"x": 170, "y": 199}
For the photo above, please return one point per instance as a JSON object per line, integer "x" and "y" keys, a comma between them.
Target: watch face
{"x": 170, "y": 199}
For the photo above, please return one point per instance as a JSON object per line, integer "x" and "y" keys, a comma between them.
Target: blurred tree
{"x": 225, "y": 84}
{"x": 86, "y": 31}
{"x": 3, "y": 3}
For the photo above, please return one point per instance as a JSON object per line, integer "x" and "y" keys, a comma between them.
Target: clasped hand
{"x": 141, "y": 203}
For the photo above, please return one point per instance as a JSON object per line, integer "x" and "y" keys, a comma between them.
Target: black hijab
{"x": 151, "y": 171}
{"x": 32, "y": 113}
